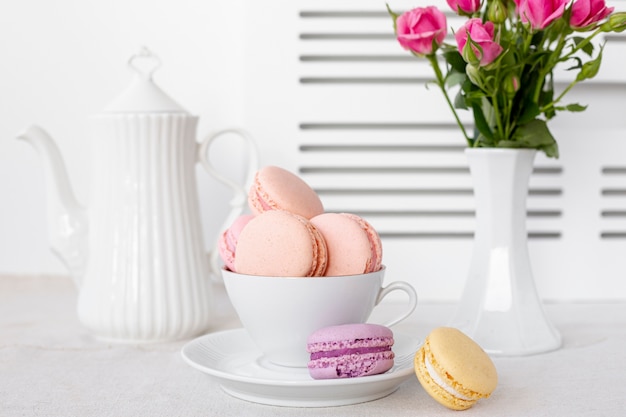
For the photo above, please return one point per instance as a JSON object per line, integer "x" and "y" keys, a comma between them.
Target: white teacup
{"x": 280, "y": 313}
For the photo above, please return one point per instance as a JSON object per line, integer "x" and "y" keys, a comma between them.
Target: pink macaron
{"x": 275, "y": 188}
{"x": 354, "y": 246}
{"x": 281, "y": 244}
{"x": 349, "y": 351}
{"x": 227, "y": 244}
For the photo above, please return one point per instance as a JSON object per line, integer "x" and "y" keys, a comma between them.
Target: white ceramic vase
{"x": 500, "y": 307}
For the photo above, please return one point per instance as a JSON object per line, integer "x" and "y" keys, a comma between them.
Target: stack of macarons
{"x": 289, "y": 234}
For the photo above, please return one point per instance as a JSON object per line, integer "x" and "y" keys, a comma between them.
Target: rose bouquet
{"x": 503, "y": 63}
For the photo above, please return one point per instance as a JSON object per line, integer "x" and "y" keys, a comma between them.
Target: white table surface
{"x": 51, "y": 366}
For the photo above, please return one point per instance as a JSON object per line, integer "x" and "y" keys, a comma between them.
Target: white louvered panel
{"x": 417, "y": 205}
{"x": 368, "y": 202}
{"x": 384, "y": 157}
{"x": 344, "y": 106}
{"x": 374, "y": 25}
{"x": 395, "y": 226}
{"x": 354, "y": 103}
{"x": 401, "y": 180}
{"x": 612, "y": 177}
{"x": 448, "y": 138}
{"x": 356, "y": 68}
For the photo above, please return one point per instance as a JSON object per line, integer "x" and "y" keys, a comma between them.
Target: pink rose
{"x": 481, "y": 34}
{"x": 421, "y": 30}
{"x": 540, "y": 13}
{"x": 588, "y": 12}
{"x": 464, "y": 6}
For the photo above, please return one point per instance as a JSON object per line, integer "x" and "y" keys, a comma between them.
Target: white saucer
{"x": 232, "y": 358}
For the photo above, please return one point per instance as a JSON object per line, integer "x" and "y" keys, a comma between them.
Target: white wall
{"x": 64, "y": 60}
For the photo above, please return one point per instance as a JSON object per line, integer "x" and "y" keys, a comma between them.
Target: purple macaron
{"x": 350, "y": 351}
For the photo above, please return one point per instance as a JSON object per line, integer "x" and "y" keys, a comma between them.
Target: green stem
{"x": 496, "y": 107}
{"x": 528, "y": 40}
{"x": 580, "y": 46}
{"x": 441, "y": 83}
{"x": 510, "y": 126}
{"x": 551, "y": 64}
{"x": 558, "y": 99}
{"x": 565, "y": 57}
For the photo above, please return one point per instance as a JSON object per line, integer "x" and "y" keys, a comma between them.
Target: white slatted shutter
{"x": 332, "y": 96}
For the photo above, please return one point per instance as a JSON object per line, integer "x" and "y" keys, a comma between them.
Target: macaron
{"x": 275, "y": 188}
{"x": 454, "y": 369}
{"x": 227, "y": 244}
{"x": 354, "y": 246}
{"x": 350, "y": 351}
{"x": 281, "y": 244}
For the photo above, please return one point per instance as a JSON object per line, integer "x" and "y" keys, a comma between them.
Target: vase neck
{"x": 500, "y": 178}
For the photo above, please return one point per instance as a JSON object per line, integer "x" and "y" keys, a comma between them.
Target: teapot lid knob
{"x": 143, "y": 95}
{"x": 151, "y": 62}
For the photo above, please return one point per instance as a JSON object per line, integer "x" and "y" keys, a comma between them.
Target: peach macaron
{"x": 276, "y": 188}
{"x": 354, "y": 246}
{"x": 281, "y": 244}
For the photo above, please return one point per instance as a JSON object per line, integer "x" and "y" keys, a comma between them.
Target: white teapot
{"x": 137, "y": 252}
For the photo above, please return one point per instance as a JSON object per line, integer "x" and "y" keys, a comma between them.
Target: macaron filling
{"x": 261, "y": 204}
{"x": 439, "y": 381}
{"x": 346, "y": 344}
{"x": 349, "y": 351}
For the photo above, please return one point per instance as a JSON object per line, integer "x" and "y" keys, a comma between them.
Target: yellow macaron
{"x": 454, "y": 369}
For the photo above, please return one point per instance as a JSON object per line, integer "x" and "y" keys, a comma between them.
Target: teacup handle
{"x": 399, "y": 286}
{"x": 240, "y": 196}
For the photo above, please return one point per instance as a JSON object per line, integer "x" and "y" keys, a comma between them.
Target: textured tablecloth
{"x": 51, "y": 366}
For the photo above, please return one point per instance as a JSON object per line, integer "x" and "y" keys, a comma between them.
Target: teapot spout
{"x": 67, "y": 220}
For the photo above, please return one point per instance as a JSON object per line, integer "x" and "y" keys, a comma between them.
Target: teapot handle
{"x": 240, "y": 197}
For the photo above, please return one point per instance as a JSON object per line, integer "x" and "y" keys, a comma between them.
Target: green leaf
{"x": 509, "y": 144}
{"x": 590, "y": 69}
{"x": 459, "y": 101}
{"x": 532, "y": 134}
{"x": 483, "y": 141}
{"x": 574, "y": 107}
{"x": 587, "y": 48}
{"x": 552, "y": 150}
{"x": 481, "y": 122}
{"x": 579, "y": 64}
{"x": 455, "y": 60}
{"x": 530, "y": 111}
{"x": 536, "y": 135}
{"x": 488, "y": 111}
{"x": 454, "y": 78}
{"x": 393, "y": 15}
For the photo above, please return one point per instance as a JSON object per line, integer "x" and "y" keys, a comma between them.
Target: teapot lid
{"x": 143, "y": 95}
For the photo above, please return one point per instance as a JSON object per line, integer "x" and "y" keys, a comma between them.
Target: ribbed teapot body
{"x": 147, "y": 275}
